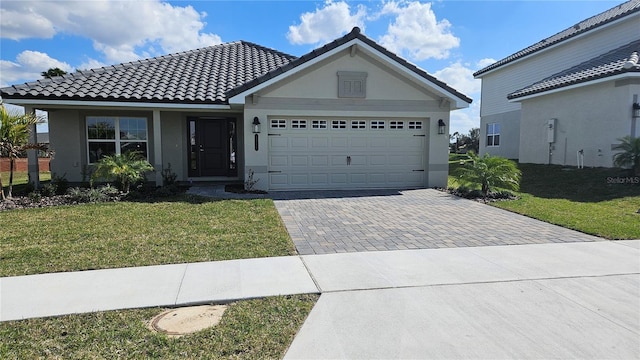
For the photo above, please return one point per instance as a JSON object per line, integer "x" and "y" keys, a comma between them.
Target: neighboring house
{"x": 567, "y": 98}
{"x": 348, "y": 115}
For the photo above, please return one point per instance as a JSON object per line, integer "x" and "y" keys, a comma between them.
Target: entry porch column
{"x": 32, "y": 154}
{"x": 157, "y": 146}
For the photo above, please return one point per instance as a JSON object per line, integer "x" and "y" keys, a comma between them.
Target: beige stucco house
{"x": 348, "y": 115}
{"x": 568, "y": 98}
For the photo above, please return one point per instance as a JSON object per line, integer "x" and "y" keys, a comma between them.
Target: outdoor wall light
{"x": 636, "y": 110}
{"x": 441, "y": 126}
{"x": 256, "y": 125}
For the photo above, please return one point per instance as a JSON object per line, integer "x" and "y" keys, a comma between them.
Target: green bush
{"x": 126, "y": 169}
{"x": 489, "y": 172}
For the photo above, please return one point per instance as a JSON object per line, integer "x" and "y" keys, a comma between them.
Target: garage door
{"x": 346, "y": 153}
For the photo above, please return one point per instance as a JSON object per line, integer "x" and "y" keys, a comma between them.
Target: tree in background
{"x": 53, "y": 72}
{"x": 466, "y": 143}
{"x": 14, "y": 140}
{"x": 628, "y": 154}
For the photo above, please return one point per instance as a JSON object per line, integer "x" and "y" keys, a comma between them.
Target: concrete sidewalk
{"x": 553, "y": 300}
{"x": 55, "y": 294}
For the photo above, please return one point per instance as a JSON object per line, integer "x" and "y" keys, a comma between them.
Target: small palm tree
{"x": 125, "y": 169}
{"x": 629, "y": 154}
{"x": 14, "y": 140}
{"x": 489, "y": 172}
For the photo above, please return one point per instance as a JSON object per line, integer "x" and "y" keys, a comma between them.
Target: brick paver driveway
{"x": 349, "y": 221}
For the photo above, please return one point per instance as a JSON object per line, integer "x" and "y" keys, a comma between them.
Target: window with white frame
{"x": 338, "y": 124}
{"x": 298, "y": 124}
{"x": 109, "y": 135}
{"x": 358, "y": 124}
{"x": 319, "y": 124}
{"x": 377, "y": 125}
{"x": 493, "y": 134}
{"x": 278, "y": 123}
{"x": 396, "y": 125}
{"x": 415, "y": 125}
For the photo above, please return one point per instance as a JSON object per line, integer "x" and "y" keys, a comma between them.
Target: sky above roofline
{"x": 448, "y": 39}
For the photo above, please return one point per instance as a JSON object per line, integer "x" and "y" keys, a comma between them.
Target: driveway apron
{"x": 324, "y": 222}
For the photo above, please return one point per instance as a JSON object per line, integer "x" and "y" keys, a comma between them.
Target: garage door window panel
{"x": 278, "y": 123}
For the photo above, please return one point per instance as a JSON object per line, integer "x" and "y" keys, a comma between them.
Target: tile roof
{"x": 198, "y": 76}
{"x": 591, "y": 23}
{"x": 354, "y": 34}
{"x": 621, "y": 60}
{"x": 209, "y": 75}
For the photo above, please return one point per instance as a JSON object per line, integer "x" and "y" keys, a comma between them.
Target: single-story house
{"x": 348, "y": 115}
{"x": 568, "y": 98}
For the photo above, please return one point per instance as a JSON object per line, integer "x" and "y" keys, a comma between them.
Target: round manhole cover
{"x": 187, "y": 320}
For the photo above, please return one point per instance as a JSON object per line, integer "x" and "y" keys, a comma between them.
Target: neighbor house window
{"x": 109, "y": 135}
{"x": 493, "y": 134}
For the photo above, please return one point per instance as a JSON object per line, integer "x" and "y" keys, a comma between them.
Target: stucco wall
{"x": 174, "y": 147}
{"x": 66, "y": 139}
{"x": 509, "y": 134}
{"x": 590, "y": 118}
{"x": 314, "y": 93}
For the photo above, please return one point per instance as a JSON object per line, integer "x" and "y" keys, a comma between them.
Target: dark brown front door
{"x": 212, "y": 147}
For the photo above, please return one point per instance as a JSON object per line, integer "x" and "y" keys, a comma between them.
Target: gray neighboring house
{"x": 348, "y": 115}
{"x": 568, "y": 98}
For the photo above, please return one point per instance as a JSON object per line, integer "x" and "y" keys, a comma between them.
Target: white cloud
{"x": 121, "y": 30}
{"x": 485, "y": 62}
{"x": 464, "y": 120}
{"x": 27, "y": 67}
{"x": 416, "y": 33}
{"x": 326, "y": 23}
{"x": 460, "y": 78}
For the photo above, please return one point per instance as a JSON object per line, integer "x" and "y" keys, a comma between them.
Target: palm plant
{"x": 14, "y": 140}
{"x": 489, "y": 172}
{"x": 125, "y": 169}
{"x": 629, "y": 154}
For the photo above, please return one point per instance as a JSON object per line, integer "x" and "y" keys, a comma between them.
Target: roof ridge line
{"x": 545, "y": 43}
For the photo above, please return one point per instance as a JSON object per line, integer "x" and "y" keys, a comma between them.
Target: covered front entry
{"x": 212, "y": 147}
{"x": 346, "y": 153}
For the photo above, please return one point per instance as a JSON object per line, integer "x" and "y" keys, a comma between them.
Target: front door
{"x": 212, "y": 147}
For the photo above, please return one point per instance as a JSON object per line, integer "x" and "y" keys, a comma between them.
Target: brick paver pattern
{"x": 351, "y": 221}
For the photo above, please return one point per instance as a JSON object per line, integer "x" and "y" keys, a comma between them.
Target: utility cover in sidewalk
{"x": 187, "y": 320}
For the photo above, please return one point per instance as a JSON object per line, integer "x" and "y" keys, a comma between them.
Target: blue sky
{"x": 449, "y": 39}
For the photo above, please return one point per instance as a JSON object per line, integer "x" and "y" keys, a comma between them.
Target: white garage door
{"x": 346, "y": 154}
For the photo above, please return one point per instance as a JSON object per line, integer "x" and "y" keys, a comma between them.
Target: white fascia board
{"x": 562, "y": 42}
{"x": 459, "y": 103}
{"x": 575, "y": 86}
{"x": 117, "y": 104}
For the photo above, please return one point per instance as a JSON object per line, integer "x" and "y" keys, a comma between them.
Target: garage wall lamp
{"x": 256, "y": 125}
{"x": 441, "y": 126}
{"x": 636, "y": 110}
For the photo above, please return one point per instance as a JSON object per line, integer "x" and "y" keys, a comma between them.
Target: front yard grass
{"x": 181, "y": 229}
{"x": 254, "y": 329}
{"x": 597, "y": 201}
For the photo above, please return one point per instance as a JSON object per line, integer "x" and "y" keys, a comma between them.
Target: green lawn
{"x": 588, "y": 200}
{"x": 110, "y": 235}
{"x": 20, "y": 179}
{"x": 255, "y": 329}
{"x": 180, "y": 229}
